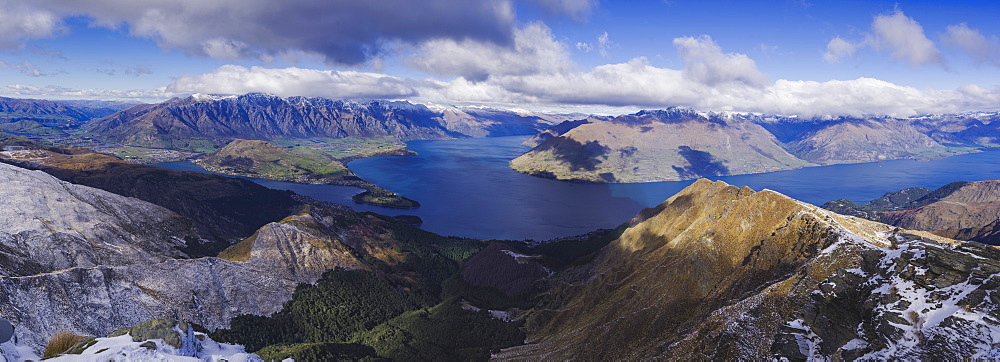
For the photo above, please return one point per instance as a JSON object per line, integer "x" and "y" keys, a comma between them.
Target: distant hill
{"x": 680, "y": 143}
{"x": 261, "y": 159}
{"x": 667, "y": 145}
{"x": 56, "y": 114}
{"x": 201, "y": 121}
{"x": 966, "y": 210}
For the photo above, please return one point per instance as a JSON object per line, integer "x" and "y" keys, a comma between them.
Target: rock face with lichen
{"x": 49, "y": 225}
{"x": 720, "y": 272}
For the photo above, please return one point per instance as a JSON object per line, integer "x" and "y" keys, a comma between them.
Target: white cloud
{"x": 54, "y": 92}
{"x": 838, "y": 49}
{"x": 711, "y": 80}
{"x": 584, "y": 47}
{"x": 604, "y": 44}
{"x": 19, "y": 22}
{"x": 347, "y": 32}
{"x": 234, "y": 79}
{"x": 982, "y": 49}
{"x": 534, "y": 51}
{"x": 25, "y": 67}
{"x": 704, "y": 62}
{"x": 905, "y": 39}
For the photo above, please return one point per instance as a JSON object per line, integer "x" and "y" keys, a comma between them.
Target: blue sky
{"x": 792, "y": 57}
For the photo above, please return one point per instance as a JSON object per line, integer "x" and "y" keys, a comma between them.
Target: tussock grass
{"x": 60, "y": 343}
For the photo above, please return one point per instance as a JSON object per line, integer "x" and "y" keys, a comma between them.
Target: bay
{"x": 466, "y": 188}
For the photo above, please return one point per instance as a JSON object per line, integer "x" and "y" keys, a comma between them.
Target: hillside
{"x": 680, "y": 144}
{"x": 650, "y": 146}
{"x": 56, "y": 114}
{"x": 692, "y": 278}
{"x": 253, "y": 277}
{"x": 966, "y": 210}
{"x": 255, "y": 158}
{"x": 864, "y": 140}
{"x": 56, "y": 223}
{"x": 223, "y": 209}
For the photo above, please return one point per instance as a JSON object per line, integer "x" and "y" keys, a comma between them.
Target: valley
{"x": 499, "y": 180}
{"x": 261, "y": 272}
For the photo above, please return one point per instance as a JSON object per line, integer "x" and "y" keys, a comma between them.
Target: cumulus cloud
{"x": 347, "y": 32}
{"x": 710, "y": 80}
{"x": 838, "y": 49}
{"x": 534, "y": 51}
{"x": 20, "y": 21}
{"x": 982, "y": 49}
{"x": 234, "y": 79}
{"x": 55, "y": 92}
{"x": 704, "y": 62}
{"x": 904, "y": 38}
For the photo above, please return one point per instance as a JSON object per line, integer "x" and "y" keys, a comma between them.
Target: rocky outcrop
{"x": 300, "y": 246}
{"x": 258, "y": 278}
{"x": 47, "y": 224}
{"x": 224, "y": 209}
{"x": 98, "y": 300}
{"x": 720, "y": 272}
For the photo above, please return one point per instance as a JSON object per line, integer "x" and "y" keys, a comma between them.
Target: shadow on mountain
{"x": 579, "y": 156}
{"x": 701, "y": 164}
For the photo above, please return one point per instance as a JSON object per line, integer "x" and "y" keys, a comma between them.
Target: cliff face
{"x": 720, "y": 272}
{"x": 48, "y": 224}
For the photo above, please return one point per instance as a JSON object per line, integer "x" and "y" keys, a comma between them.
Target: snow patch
{"x": 195, "y": 347}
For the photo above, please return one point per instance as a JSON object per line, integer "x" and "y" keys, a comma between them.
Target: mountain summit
{"x": 721, "y": 272}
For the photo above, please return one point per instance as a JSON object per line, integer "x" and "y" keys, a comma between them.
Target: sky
{"x": 788, "y": 57}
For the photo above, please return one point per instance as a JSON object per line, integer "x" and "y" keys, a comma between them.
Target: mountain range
{"x": 680, "y": 144}
{"x": 203, "y": 119}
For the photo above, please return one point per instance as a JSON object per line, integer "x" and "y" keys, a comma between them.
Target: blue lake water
{"x": 466, "y": 188}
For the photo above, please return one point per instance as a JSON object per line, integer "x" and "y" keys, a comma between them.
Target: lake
{"x": 466, "y": 189}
